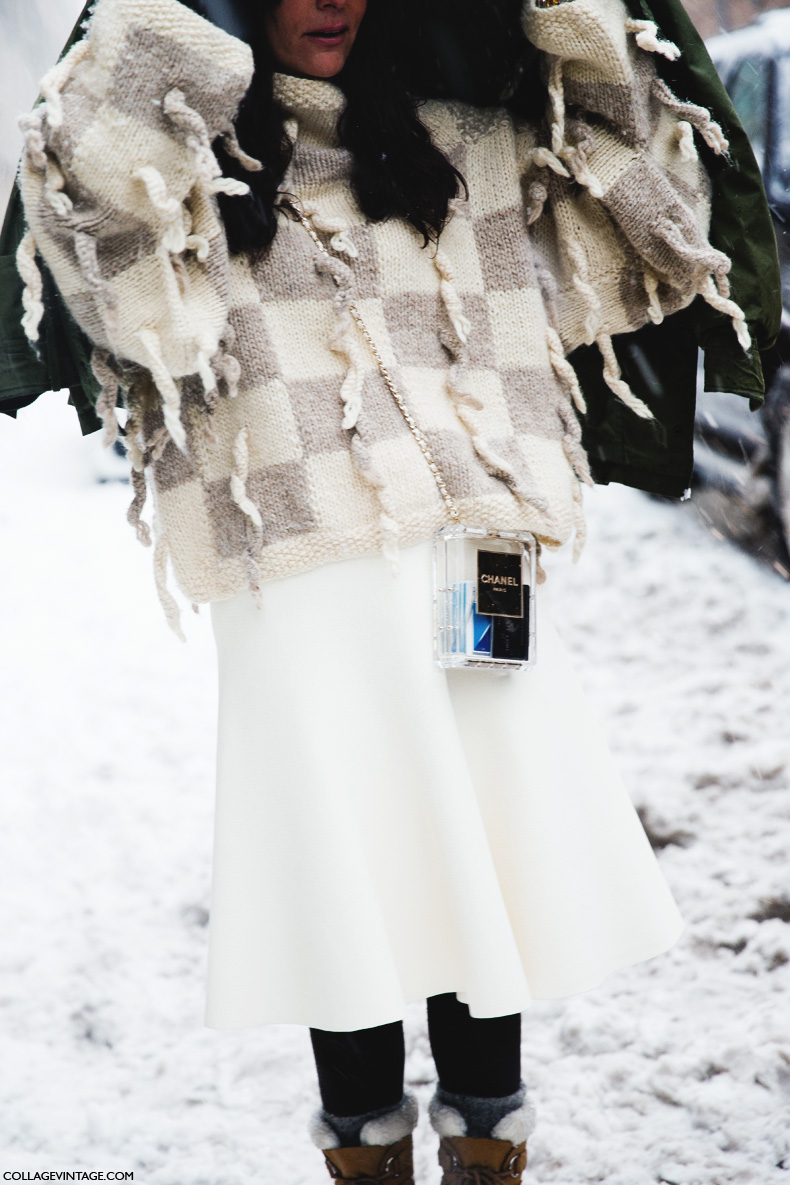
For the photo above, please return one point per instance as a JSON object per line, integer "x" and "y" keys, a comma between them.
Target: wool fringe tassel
{"x": 572, "y": 436}
{"x": 84, "y": 243}
{"x": 234, "y": 149}
{"x": 654, "y": 310}
{"x": 538, "y": 196}
{"x": 563, "y": 369}
{"x": 341, "y": 240}
{"x": 691, "y": 113}
{"x": 171, "y": 396}
{"x": 108, "y": 394}
{"x": 469, "y": 406}
{"x": 141, "y": 453}
{"x": 169, "y": 209}
{"x": 611, "y": 368}
{"x": 226, "y": 368}
{"x": 136, "y": 507}
{"x": 166, "y": 598}
{"x": 581, "y": 282}
{"x": 556, "y": 89}
{"x": 686, "y": 146}
{"x": 198, "y": 141}
{"x": 565, "y": 158}
{"x": 576, "y": 154}
{"x": 714, "y": 287}
{"x": 132, "y": 431}
{"x": 31, "y": 126}
{"x": 55, "y": 79}
{"x": 722, "y": 303}
{"x": 51, "y": 111}
{"x": 449, "y": 293}
{"x": 33, "y": 291}
{"x": 86, "y": 251}
{"x": 614, "y": 379}
{"x": 238, "y": 480}
{"x": 346, "y": 342}
{"x": 388, "y": 524}
{"x": 647, "y": 38}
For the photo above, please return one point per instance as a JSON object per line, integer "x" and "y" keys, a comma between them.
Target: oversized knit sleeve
{"x": 616, "y": 195}
{"x": 118, "y": 182}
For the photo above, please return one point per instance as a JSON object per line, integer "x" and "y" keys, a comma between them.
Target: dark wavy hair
{"x": 397, "y": 171}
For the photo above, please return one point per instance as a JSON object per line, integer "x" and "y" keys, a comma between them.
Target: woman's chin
{"x": 328, "y": 66}
{"x": 324, "y": 64}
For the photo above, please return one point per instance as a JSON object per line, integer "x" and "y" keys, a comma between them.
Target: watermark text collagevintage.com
{"x": 70, "y": 1175}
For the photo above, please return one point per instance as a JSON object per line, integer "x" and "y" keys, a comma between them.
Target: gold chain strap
{"x": 449, "y": 501}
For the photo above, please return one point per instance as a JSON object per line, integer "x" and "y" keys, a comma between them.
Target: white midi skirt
{"x": 386, "y": 831}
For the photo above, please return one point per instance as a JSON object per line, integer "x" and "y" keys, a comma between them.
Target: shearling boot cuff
{"x": 374, "y": 1128}
{"x": 511, "y": 1118}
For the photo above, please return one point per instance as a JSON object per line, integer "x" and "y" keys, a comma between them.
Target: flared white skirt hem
{"x": 387, "y": 831}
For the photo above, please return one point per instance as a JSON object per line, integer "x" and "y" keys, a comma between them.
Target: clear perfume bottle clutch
{"x": 484, "y": 598}
{"x": 484, "y": 581}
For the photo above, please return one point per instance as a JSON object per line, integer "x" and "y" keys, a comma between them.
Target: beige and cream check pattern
{"x": 300, "y": 456}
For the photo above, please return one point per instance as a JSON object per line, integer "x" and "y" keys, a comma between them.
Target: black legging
{"x": 363, "y": 1071}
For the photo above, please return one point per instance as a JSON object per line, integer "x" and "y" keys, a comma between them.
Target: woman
{"x": 228, "y": 225}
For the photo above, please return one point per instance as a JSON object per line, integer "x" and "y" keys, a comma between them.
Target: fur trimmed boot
{"x": 383, "y": 1153}
{"x": 391, "y": 1164}
{"x": 482, "y": 1141}
{"x": 469, "y": 1161}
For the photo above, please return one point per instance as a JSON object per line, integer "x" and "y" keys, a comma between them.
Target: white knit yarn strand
{"x": 544, "y": 158}
{"x": 557, "y": 99}
{"x": 729, "y": 308}
{"x": 647, "y": 38}
{"x": 108, "y": 395}
{"x": 166, "y": 598}
{"x": 198, "y": 141}
{"x": 55, "y": 79}
{"x": 581, "y": 282}
{"x": 654, "y": 310}
{"x": 616, "y": 382}
{"x": 35, "y": 145}
{"x": 697, "y": 116}
{"x": 563, "y": 369}
{"x": 168, "y": 208}
{"x": 171, "y": 397}
{"x": 33, "y": 291}
{"x": 686, "y": 146}
{"x": 450, "y": 295}
{"x": 238, "y": 480}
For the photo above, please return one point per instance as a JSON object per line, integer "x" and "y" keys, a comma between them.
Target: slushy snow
{"x": 676, "y": 1070}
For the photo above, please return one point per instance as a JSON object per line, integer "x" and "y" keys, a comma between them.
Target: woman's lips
{"x": 329, "y": 37}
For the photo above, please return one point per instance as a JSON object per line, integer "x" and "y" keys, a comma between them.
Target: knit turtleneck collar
{"x": 316, "y": 106}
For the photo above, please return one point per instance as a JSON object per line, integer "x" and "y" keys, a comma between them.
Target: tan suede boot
{"x": 468, "y": 1161}
{"x": 377, "y": 1164}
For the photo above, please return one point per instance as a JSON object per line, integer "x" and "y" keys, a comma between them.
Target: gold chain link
{"x": 438, "y": 477}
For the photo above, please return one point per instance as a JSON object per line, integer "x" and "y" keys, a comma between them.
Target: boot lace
{"x": 391, "y": 1172}
{"x": 474, "y": 1175}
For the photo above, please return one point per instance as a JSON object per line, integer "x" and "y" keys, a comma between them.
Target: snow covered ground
{"x": 674, "y": 1071}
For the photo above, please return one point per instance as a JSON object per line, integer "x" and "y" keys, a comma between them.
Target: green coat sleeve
{"x": 741, "y": 224}
{"x": 63, "y": 357}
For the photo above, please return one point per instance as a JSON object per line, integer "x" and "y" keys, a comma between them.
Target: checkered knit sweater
{"x": 255, "y": 408}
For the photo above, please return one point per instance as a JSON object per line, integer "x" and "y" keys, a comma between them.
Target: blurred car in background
{"x": 738, "y": 451}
